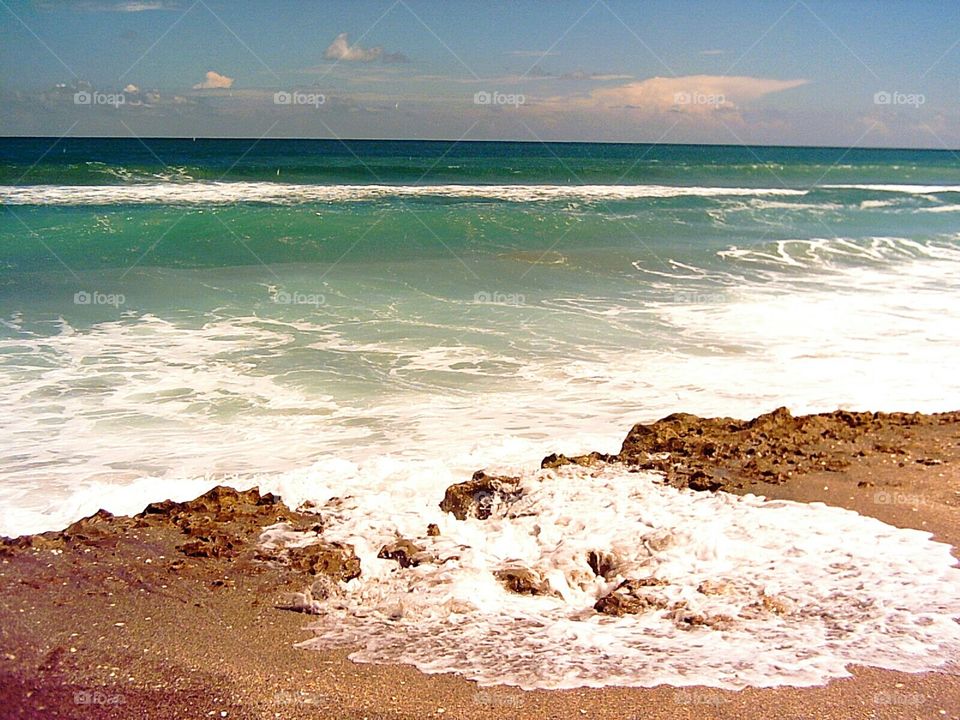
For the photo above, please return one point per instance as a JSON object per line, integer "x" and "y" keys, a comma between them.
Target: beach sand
{"x": 110, "y": 619}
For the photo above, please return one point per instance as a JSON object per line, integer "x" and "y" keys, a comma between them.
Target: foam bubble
{"x": 808, "y": 589}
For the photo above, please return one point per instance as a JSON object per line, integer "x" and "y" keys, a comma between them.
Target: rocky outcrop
{"x": 632, "y": 597}
{"x": 406, "y": 552}
{"x": 603, "y": 564}
{"x": 523, "y": 581}
{"x": 685, "y": 619}
{"x": 222, "y": 524}
{"x": 590, "y": 460}
{"x": 477, "y": 497}
{"x": 715, "y": 453}
{"x": 332, "y": 559}
{"x": 715, "y": 587}
{"x": 709, "y": 454}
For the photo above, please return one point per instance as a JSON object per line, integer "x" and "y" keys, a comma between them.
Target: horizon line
{"x": 190, "y": 138}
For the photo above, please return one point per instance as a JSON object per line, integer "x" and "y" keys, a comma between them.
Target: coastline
{"x": 172, "y": 613}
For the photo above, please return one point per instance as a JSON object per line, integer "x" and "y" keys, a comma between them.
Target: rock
{"x": 100, "y": 529}
{"x": 715, "y": 587}
{"x": 406, "y": 552}
{"x": 433, "y": 530}
{"x": 223, "y": 521}
{"x": 699, "y": 480}
{"x": 164, "y": 507}
{"x": 211, "y": 546}
{"x": 661, "y": 539}
{"x": 310, "y": 601}
{"x": 43, "y": 541}
{"x": 221, "y": 504}
{"x": 523, "y": 581}
{"x": 477, "y": 496}
{"x": 686, "y": 620}
{"x": 594, "y": 458}
{"x": 709, "y": 454}
{"x": 632, "y": 597}
{"x": 602, "y": 563}
{"x": 334, "y": 559}
{"x": 776, "y": 604}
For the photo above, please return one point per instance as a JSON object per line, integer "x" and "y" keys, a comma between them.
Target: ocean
{"x": 377, "y": 320}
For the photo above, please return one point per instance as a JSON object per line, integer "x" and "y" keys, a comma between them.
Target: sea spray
{"x": 748, "y": 592}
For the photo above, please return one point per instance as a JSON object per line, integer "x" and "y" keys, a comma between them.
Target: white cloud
{"x": 214, "y": 80}
{"x": 340, "y": 49}
{"x": 693, "y": 94}
{"x": 131, "y": 88}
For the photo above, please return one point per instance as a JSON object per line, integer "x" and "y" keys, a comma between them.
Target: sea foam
{"x": 808, "y": 589}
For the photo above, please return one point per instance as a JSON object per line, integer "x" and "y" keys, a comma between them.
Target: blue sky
{"x": 868, "y": 73}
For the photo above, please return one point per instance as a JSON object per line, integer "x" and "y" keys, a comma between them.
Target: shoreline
{"x": 173, "y": 612}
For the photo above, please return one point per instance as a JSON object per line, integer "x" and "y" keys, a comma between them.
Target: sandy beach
{"x": 173, "y": 613}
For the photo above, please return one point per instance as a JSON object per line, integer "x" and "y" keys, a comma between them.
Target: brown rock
{"x": 406, "y": 552}
{"x": 100, "y": 529}
{"x": 686, "y": 620}
{"x": 715, "y": 587}
{"x": 337, "y": 560}
{"x": 221, "y": 504}
{"x": 716, "y": 453}
{"x": 776, "y": 604}
{"x": 590, "y": 460}
{"x": 476, "y": 497}
{"x": 433, "y": 530}
{"x": 211, "y": 546}
{"x": 700, "y": 480}
{"x": 632, "y": 597}
{"x": 522, "y": 580}
{"x": 603, "y": 564}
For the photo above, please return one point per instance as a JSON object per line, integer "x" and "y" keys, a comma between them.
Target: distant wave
{"x": 908, "y": 189}
{"x": 272, "y": 193}
{"x": 206, "y": 193}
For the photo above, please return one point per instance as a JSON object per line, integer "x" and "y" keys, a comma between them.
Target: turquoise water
{"x": 176, "y": 312}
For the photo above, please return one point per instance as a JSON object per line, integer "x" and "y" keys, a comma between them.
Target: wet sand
{"x": 172, "y": 614}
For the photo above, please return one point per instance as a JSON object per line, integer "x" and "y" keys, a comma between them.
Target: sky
{"x": 869, "y": 73}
